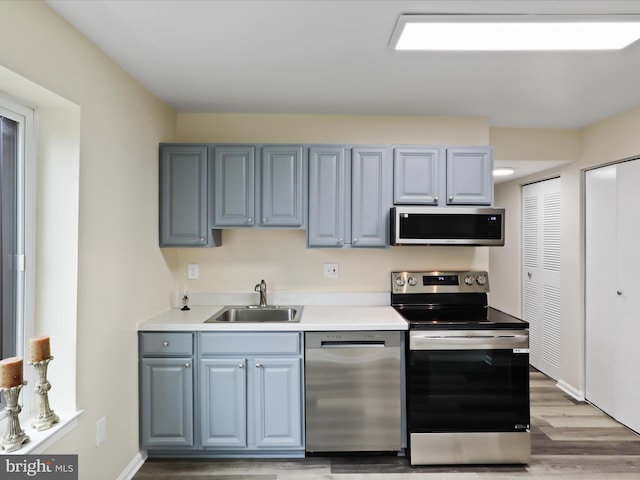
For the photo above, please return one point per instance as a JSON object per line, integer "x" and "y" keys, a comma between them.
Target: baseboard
{"x": 577, "y": 395}
{"x": 134, "y": 466}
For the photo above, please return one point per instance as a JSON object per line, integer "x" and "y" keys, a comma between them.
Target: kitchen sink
{"x": 255, "y": 314}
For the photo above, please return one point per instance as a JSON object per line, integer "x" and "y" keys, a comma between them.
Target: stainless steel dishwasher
{"x": 353, "y": 383}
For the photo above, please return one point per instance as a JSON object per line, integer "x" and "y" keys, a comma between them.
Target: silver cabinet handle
{"x": 436, "y": 199}
{"x": 201, "y": 239}
{"x": 355, "y": 240}
{"x": 619, "y": 292}
{"x": 187, "y": 365}
{"x": 165, "y": 344}
{"x": 450, "y": 199}
{"x": 249, "y": 220}
{"x": 258, "y": 365}
{"x": 264, "y": 220}
{"x": 241, "y": 365}
{"x": 340, "y": 241}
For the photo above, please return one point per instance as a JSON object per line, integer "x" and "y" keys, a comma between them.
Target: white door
{"x": 541, "y": 273}
{"x": 627, "y": 296}
{"x": 612, "y": 291}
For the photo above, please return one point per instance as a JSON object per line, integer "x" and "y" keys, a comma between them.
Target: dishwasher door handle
{"x": 353, "y": 344}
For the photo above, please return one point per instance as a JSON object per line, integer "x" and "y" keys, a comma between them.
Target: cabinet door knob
{"x": 264, "y": 220}
{"x": 241, "y": 365}
{"x": 619, "y": 292}
{"x": 258, "y": 365}
{"x": 165, "y": 344}
{"x": 249, "y": 220}
{"x": 201, "y": 239}
{"x": 450, "y": 199}
{"x": 340, "y": 241}
{"x": 187, "y": 365}
{"x": 355, "y": 240}
{"x": 435, "y": 199}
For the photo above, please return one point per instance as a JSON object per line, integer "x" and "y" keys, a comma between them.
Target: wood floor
{"x": 570, "y": 441}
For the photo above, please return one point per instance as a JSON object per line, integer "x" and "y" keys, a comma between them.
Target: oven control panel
{"x": 440, "y": 282}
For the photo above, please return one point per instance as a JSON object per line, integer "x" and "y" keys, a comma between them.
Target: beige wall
{"x": 610, "y": 140}
{"x": 119, "y": 276}
{"x": 281, "y": 257}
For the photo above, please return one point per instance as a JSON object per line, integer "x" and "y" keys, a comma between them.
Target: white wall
{"x": 107, "y": 218}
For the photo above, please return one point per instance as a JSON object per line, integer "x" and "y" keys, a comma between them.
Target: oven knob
{"x": 481, "y": 279}
{"x": 468, "y": 280}
{"x": 412, "y": 281}
{"x": 400, "y": 281}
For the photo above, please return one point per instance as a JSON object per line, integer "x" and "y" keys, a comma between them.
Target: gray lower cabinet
{"x": 350, "y": 193}
{"x": 166, "y": 390}
{"x": 251, "y": 392}
{"x": 259, "y": 186}
{"x": 442, "y": 176}
{"x": 185, "y": 198}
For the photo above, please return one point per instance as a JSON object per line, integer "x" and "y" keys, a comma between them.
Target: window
{"x": 16, "y": 131}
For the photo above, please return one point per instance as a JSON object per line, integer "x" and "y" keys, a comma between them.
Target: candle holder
{"x": 46, "y": 417}
{"x": 15, "y": 436}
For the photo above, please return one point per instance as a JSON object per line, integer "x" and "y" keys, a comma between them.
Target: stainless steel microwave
{"x": 416, "y": 225}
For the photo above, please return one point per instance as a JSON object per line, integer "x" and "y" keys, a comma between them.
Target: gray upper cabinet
{"x": 184, "y": 196}
{"x": 329, "y": 205}
{"x": 370, "y": 196}
{"x": 442, "y": 176}
{"x": 470, "y": 176}
{"x": 282, "y": 197}
{"x": 349, "y": 196}
{"x": 416, "y": 176}
{"x": 234, "y": 186}
{"x": 259, "y": 186}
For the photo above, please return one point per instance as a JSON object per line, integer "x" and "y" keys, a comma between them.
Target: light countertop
{"x": 314, "y": 318}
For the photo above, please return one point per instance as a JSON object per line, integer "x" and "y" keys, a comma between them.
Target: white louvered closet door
{"x": 541, "y": 273}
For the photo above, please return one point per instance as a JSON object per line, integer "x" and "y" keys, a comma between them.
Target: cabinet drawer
{"x": 249, "y": 343}
{"x": 166, "y": 343}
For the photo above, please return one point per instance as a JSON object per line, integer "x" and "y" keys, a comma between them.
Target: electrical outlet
{"x": 192, "y": 271}
{"x": 330, "y": 270}
{"x": 101, "y": 431}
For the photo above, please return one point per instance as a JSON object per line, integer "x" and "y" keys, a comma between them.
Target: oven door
{"x": 468, "y": 381}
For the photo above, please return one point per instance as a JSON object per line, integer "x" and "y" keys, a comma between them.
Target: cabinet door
{"x": 371, "y": 197}
{"x": 234, "y": 186}
{"x": 278, "y": 402}
{"x": 329, "y": 205}
{"x": 223, "y": 403}
{"x": 470, "y": 176}
{"x": 166, "y": 391}
{"x": 416, "y": 176}
{"x": 183, "y": 195}
{"x": 282, "y": 184}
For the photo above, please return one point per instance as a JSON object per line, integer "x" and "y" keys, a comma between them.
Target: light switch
{"x": 192, "y": 271}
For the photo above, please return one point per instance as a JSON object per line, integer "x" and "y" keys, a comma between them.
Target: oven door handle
{"x": 470, "y": 342}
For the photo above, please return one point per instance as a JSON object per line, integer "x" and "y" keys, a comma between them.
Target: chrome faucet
{"x": 262, "y": 288}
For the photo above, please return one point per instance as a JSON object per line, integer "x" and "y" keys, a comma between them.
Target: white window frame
{"x": 26, "y": 222}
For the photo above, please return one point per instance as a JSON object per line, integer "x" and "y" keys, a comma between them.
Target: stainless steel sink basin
{"x": 255, "y": 314}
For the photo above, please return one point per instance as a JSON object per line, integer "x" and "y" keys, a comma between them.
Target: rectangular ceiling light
{"x": 515, "y": 32}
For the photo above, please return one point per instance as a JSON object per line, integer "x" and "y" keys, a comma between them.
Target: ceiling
{"x": 332, "y": 57}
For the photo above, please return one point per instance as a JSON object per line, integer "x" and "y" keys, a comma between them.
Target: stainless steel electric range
{"x": 467, "y": 371}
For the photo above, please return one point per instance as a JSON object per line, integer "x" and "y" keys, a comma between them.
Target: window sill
{"x": 40, "y": 441}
